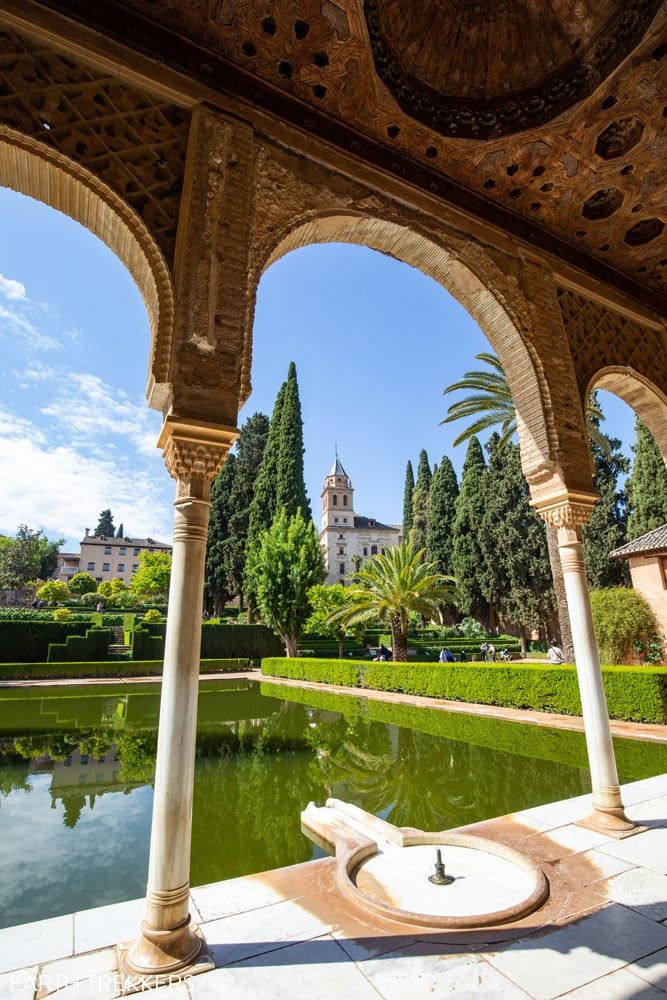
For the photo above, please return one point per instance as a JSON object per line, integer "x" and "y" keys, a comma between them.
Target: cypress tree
{"x": 291, "y": 487}
{"x": 440, "y": 518}
{"x": 407, "y": 499}
{"x": 250, "y": 449}
{"x": 605, "y": 530}
{"x": 121, "y": 531}
{"x": 105, "y": 526}
{"x": 468, "y": 556}
{"x": 516, "y": 580}
{"x": 217, "y": 583}
{"x": 646, "y": 488}
{"x": 263, "y": 506}
{"x": 420, "y": 497}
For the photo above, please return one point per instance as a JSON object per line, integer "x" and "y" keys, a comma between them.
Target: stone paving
{"x": 288, "y": 934}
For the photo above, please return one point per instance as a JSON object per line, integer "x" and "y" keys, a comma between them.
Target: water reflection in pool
{"x": 76, "y": 771}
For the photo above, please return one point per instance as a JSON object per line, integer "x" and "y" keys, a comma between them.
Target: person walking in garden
{"x": 491, "y": 653}
{"x": 483, "y": 650}
{"x": 385, "y": 654}
{"x": 555, "y": 654}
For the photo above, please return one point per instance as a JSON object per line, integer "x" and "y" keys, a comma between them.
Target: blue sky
{"x": 374, "y": 341}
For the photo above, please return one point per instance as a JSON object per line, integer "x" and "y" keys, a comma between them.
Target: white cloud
{"x": 89, "y": 409}
{"x": 12, "y": 289}
{"x": 27, "y": 331}
{"x": 63, "y": 490}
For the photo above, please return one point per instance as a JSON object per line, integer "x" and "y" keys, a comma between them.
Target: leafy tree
{"x": 105, "y": 526}
{"x": 53, "y": 591}
{"x": 646, "y": 488}
{"x": 82, "y": 583}
{"x": 291, "y": 487}
{"x": 324, "y": 601}
{"x": 420, "y": 497}
{"x": 249, "y": 454}
{"x": 121, "y": 531}
{"x": 392, "y": 585}
{"x": 517, "y": 576}
{"x": 286, "y": 563}
{"x": 407, "y": 499}
{"x": 113, "y": 589}
{"x": 28, "y": 556}
{"x": 489, "y": 403}
{"x": 622, "y": 618}
{"x": 217, "y": 582}
{"x": 605, "y": 530}
{"x": 152, "y": 577}
{"x": 440, "y": 518}
{"x": 468, "y": 555}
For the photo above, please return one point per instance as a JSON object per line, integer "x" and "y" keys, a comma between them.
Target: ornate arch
{"x": 646, "y": 399}
{"x": 33, "y": 169}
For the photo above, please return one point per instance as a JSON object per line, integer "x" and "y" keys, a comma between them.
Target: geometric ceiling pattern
{"x": 588, "y": 186}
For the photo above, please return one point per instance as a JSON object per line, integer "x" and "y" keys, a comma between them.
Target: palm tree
{"x": 392, "y": 585}
{"x": 490, "y": 404}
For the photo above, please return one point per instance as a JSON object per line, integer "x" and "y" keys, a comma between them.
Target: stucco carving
{"x": 193, "y": 453}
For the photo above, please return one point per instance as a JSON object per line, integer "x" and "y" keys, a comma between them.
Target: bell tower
{"x": 337, "y": 499}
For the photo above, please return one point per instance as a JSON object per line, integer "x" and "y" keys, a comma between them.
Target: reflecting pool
{"x": 76, "y": 769}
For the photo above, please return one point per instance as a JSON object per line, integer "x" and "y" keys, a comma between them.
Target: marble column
{"x": 568, "y": 516}
{"x": 169, "y": 944}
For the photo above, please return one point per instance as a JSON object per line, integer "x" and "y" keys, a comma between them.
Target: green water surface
{"x": 76, "y": 769}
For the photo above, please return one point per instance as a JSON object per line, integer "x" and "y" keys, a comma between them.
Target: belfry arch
{"x": 33, "y": 169}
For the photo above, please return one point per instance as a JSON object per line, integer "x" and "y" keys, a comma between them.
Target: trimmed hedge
{"x": 638, "y": 694}
{"x": 635, "y": 759}
{"x": 110, "y": 668}
{"x": 217, "y": 641}
{"x": 94, "y": 645}
{"x": 29, "y": 641}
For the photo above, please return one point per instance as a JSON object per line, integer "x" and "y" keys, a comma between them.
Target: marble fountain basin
{"x": 386, "y": 869}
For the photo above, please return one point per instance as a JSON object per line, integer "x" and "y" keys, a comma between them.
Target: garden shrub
{"x": 622, "y": 619}
{"x": 638, "y": 694}
{"x": 28, "y": 641}
{"x": 94, "y": 645}
{"x": 62, "y": 615}
{"x": 152, "y": 616}
{"x": 108, "y": 668}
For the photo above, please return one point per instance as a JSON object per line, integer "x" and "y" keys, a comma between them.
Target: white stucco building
{"x": 347, "y": 536}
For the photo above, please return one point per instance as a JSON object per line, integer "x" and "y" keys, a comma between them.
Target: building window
{"x": 84, "y": 758}
{"x": 374, "y": 550}
{"x": 121, "y": 550}
{"x": 344, "y": 520}
{"x": 107, "y": 550}
{"x": 121, "y": 567}
{"x": 335, "y": 520}
{"x": 382, "y": 550}
{"x": 67, "y": 762}
{"x": 341, "y": 569}
{"x": 365, "y": 550}
{"x": 335, "y": 500}
{"x": 341, "y": 535}
{"x": 99, "y": 775}
{"x": 83, "y": 778}
{"x": 344, "y": 501}
{"x": 135, "y": 567}
{"x": 91, "y": 567}
{"x": 341, "y": 551}
{"x": 151, "y": 550}
{"x": 105, "y": 567}
{"x": 136, "y": 552}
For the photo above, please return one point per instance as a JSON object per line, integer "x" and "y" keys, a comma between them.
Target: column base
{"x": 613, "y": 822}
{"x": 157, "y": 958}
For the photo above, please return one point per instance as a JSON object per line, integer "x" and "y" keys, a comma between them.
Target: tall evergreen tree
{"x": 249, "y": 454}
{"x": 420, "y": 497}
{"x": 441, "y": 515}
{"x": 646, "y": 488}
{"x": 217, "y": 583}
{"x": 291, "y": 486}
{"x": 468, "y": 556}
{"x": 606, "y": 527}
{"x": 407, "y": 499}
{"x": 516, "y": 579}
{"x": 263, "y": 506}
{"x": 121, "y": 531}
{"x": 105, "y": 526}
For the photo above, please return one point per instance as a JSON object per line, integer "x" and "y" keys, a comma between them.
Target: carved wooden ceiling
{"x": 589, "y": 186}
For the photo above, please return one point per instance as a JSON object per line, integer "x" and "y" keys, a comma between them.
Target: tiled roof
{"x": 652, "y": 541}
{"x": 337, "y": 468}
{"x": 368, "y": 522}
{"x": 145, "y": 543}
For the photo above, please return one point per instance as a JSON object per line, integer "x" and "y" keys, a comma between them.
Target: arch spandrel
{"x": 45, "y": 174}
{"x": 515, "y": 304}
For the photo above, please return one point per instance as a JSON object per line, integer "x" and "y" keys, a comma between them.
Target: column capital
{"x": 566, "y": 510}
{"x": 193, "y": 451}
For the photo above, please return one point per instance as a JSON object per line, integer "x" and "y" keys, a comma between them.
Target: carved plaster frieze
{"x": 570, "y": 511}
